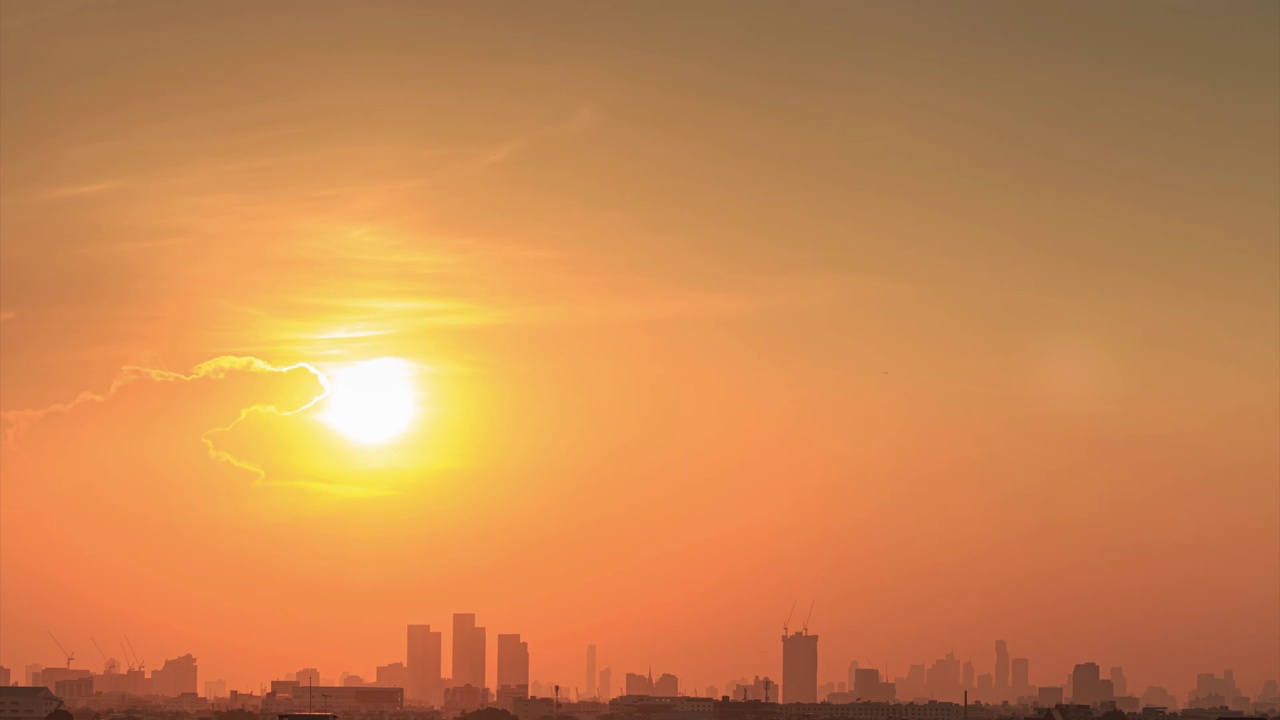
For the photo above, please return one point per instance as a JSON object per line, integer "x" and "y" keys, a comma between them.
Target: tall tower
{"x": 1002, "y": 670}
{"x": 513, "y": 666}
{"x": 468, "y": 651}
{"x": 800, "y": 667}
{"x": 424, "y": 655}
{"x": 591, "y": 671}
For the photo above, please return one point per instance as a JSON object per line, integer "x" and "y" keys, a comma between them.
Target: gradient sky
{"x": 963, "y": 319}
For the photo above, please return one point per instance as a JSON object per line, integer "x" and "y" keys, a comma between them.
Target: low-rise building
{"x": 27, "y": 703}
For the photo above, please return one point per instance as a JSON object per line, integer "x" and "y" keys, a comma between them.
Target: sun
{"x": 371, "y": 402}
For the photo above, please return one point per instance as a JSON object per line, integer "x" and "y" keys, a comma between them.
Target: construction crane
{"x": 787, "y": 622}
{"x": 142, "y": 664}
{"x": 126, "y": 656}
{"x": 806, "y": 618}
{"x": 109, "y": 665}
{"x": 70, "y": 656}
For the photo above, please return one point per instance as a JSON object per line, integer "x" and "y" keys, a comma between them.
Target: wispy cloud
{"x": 74, "y": 191}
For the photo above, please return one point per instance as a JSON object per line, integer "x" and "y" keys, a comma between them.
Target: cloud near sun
{"x": 233, "y": 423}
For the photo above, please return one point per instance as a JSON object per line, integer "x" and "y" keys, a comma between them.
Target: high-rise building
{"x": 637, "y": 684}
{"x": 1002, "y": 669}
{"x": 853, "y": 673}
{"x": 1118, "y": 682}
{"x": 1021, "y": 677}
{"x": 468, "y": 651}
{"x": 513, "y": 667}
{"x": 395, "y": 675}
{"x": 1049, "y": 695}
{"x": 424, "y": 656}
{"x": 591, "y": 671}
{"x": 967, "y": 680}
{"x": 605, "y": 688}
{"x": 667, "y": 685}
{"x": 800, "y": 667}
{"x": 175, "y": 677}
{"x": 4, "y": 677}
{"x": 305, "y": 676}
{"x": 1086, "y": 684}
{"x": 868, "y": 687}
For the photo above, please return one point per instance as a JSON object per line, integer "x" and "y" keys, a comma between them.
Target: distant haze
{"x": 962, "y": 319}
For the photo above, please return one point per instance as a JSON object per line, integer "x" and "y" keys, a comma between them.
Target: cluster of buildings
{"x": 417, "y": 689}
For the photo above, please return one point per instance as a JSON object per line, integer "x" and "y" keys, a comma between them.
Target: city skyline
{"x": 947, "y": 679}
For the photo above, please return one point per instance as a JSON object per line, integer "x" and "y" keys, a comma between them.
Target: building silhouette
{"x": 868, "y": 687}
{"x": 800, "y": 667}
{"x": 591, "y": 671}
{"x": 637, "y": 684}
{"x": 513, "y": 669}
{"x": 395, "y": 675}
{"x": 667, "y": 685}
{"x": 424, "y": 659}
{"x": 1086, "y": 684}
{"x": 468, "y": 651}
{"x": 175, "y": 677}
{"x": 605, "y": 689}
{"x": 1119, "y": 684}
{"x": 1021, "y": 677}
{"x": 1002, "y": 670}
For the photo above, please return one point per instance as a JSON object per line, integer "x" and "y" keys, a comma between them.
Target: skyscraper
{"x": 1086, "y": 684}
{"x": 605, "y": 690}
{"x": 966, "y": 681}
{"x": 800, "y": 668}
{"x": 424, "y": 655}
{"x": 667, "y": 685}
{"x": 468, "y": 651}
{"x": 1021, "y": 677}
{"x": 1002, "y": 670}
{"x": 1118, "y": 682}
{"x": 591, "y": 671}
{"x": 513, "y": 665}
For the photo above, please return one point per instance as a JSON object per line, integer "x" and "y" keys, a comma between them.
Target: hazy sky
{"x": 961, "y": 318}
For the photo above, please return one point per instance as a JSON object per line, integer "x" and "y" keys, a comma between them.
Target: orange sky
{"x": 963, "y": 319}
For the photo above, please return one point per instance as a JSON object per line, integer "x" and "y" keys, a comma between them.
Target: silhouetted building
{"x": 1002, "y": 669}
{"x": 591, "y": 671}
{"x": 1049, "y": 695}
{"x": 966, "y": 681}
{"x": 28, "y": 703}
{"x": 667, "y": 685}
{"x": 395, "y": 675}
{"x": 942, "y": 680}
{"x": 465, "y": 698}
{"x": 533, "y": 708}
{"x": 424, "y": 659}
{"x": 348, "y": 700}
{"x": 605, "y": 689}
{"x": 800, "y": 667}
{"x": 307, "y": 675}
{"x": 468, "y": 651}
{"x": 1119, "y": 684}
{"x": 1086, "y": 684}
{"x": 868, "y": 687}
{"x": 513, "y": 669}
{"x": 637, "y": 684}
{"x": 1021, "y": 677}
{"x": 74, "y": 690}
{"x": 5, "y": 680}
{"x": 215, "y": 689}
{"x": 50, "y": 677}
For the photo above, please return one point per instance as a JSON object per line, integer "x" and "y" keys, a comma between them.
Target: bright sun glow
{"x": 372, "y": 402}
